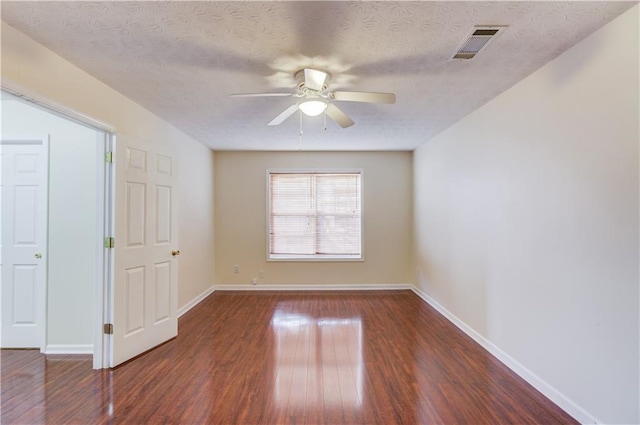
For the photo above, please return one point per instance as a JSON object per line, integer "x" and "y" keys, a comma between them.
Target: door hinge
{"x": 108, "y": 157}
{"x": 109, "y": 242}
{"x": 108, "y": 328}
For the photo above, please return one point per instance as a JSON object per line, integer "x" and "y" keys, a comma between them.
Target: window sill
{"x": 314, "y": 258}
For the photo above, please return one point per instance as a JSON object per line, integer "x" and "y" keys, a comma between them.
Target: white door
{"x": 23, "y": 249}
{"x": 145, "y": 295}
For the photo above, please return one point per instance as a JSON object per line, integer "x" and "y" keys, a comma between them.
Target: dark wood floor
{"x": 285, "y": 357}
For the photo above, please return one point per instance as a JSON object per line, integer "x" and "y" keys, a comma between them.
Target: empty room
{"x": 320, "y": 212}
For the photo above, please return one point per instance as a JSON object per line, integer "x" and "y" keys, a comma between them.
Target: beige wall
{"x": 196, "y": 218}
{"x": 526, "y": 223}
{"x": 37, "y": 69}
{"x": 241, "y": 219}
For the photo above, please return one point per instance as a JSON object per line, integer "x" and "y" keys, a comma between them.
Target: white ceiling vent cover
{"x": 477, "y": 39}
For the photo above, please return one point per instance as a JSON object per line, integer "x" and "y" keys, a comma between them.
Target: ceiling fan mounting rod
{"x": 312, "y": 80}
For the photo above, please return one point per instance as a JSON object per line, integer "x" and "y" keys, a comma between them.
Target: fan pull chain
{"x": 325, "y": 120}
{"x": 301, "y": 133}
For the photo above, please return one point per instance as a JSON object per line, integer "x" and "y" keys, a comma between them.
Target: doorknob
{"x": 175, "y": 253}
{"x": 38, "y": 255}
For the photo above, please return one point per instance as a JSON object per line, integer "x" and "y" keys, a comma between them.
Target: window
{"x": 315, "y": 216}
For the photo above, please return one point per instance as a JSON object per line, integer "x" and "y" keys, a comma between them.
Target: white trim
{"x": 69, "y": 349}
{"x": 108, "y": 285}
{"x": 197, "y": 300}
{"x": 103, "y": 143}
{"x": 44, "y": 298}
{"x": 24, "y": 140}
{"x": 547, "y": 390}
{"x": 327, "y": 258}
{"x": 52, "y": 106}
{"x": 317, "y": 287}
{"x": 538, "y": 383}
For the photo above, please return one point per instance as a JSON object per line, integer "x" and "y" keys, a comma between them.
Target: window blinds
{"x": 315, "y": 214}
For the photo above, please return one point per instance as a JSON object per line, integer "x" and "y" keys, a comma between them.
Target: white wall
{"x": 526, "y": 223}
{"x": 241, "y": 219}
{"x": 32, "y": 66}
{"x": 72, "y": 220}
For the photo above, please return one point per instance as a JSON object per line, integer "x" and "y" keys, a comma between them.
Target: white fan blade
{"x": 359, "y": 96}
{"x": 284, "y": 115}
{"x": 261, "y": 95}
{"x": 338, "y": 116}
{"x": 314, "y": 79}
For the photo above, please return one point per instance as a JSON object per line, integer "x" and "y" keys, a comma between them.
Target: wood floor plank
{"x": 378, "y": 357}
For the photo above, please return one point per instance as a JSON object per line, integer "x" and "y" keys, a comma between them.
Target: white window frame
{"x": 320, "y": 257}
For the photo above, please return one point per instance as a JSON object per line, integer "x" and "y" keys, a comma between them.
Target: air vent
{"x": 477, "y": 39}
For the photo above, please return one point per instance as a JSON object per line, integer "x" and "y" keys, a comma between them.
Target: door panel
{"x": 136, "y": 214}
{"x": 135, "y": 300}
{"x": 163, "y": 291}
{"x": 24, "y": 290}
{"x": 23, "y": 273}
{"x": 145, "y": 294}
{"x": 163, "y": 215}
{"x": 25, "y": 204}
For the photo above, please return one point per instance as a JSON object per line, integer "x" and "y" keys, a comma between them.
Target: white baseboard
{"x": 68, "y": 349}
{"x": 355, "y": 287}
{"x": 550, "y": 392}
{"x": 317, "y": 287}
{"x": 188, "y": 306}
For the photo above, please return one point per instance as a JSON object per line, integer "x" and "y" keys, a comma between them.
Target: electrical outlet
{"x": 261, "y": 274}
{"x": 236, "y": 268}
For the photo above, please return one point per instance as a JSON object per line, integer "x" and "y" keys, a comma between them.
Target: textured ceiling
{"x": 181, "y": 60}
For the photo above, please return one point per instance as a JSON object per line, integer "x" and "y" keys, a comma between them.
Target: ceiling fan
{"x": 314, "y": 98}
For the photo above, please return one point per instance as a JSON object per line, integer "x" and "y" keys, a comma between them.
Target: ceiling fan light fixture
{"x": 313, "y": 107}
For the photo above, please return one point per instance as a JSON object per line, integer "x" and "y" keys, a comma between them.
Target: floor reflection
{"x": 317, "y": 361}
{"x": 87, "y": 394}
{"x": 283, "y": 358}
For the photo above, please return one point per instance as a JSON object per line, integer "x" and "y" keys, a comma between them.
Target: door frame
{"x": 41, "y": 295}
{"x": 105, "y": 223}
{"x": 104, "y": 256}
